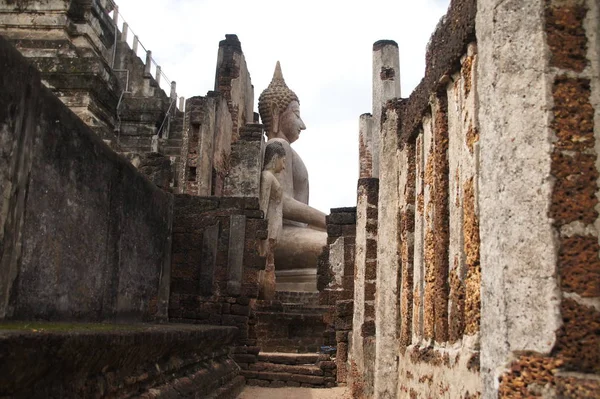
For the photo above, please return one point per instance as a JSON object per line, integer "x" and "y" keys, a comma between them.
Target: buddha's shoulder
{"x": 288, "y": 149}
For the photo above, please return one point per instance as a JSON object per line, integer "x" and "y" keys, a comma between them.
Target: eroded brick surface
{"x": 566, "y": 35}
{"x": 407, "y": 229}
{"x": 471, "y": 250}
{"x": 578, "y": 340}
{"x": 579, "y": 265}
{"x": 573, "y": 114}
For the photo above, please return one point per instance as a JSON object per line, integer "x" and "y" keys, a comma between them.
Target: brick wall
{"x": 215, "y": 265}
{"x": 335, "y": 281}
{"x": 85, "y": 236}
{"x": 417, "y": 248}
{"x": 362, "y": 356}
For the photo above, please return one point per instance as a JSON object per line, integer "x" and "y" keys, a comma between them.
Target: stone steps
{"x": 290, "y": 308}
{"x": 282, "y": 369}
{"x": 304, "y": 297}
{"x": 290, "y": 327}
{"x": 288, "y": 358}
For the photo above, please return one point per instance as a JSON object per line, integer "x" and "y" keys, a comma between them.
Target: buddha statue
{"x": 271, "y": 194}
{"x": 302, "y": 236}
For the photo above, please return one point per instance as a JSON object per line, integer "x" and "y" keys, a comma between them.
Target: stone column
{"x": 365, "y": 149}
{"x": 386, "y": 300}
{"x": 520, "y": 296}
{"x": 386, "y": 86}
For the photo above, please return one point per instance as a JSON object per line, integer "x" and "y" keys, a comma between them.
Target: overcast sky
{"x": 325, "y": 50}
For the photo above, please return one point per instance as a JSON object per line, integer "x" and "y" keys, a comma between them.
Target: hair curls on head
{"x": 275, "y": 97}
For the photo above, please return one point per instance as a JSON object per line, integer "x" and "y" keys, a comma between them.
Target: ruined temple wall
{"x": 71, "y": 43}
{"x": 215, "y": 264}
{"x": 439, "y": 281}
{"x": 245, "y": 163}
{"x": 497, "y": 194}
{"x": 335, "y": 282}
{"x": 427, "y": 307}
{"x": 206, "y": 142}
{"x": 43, "y": 20}
{"x": 212, "y": 163}
{"x": 84, "y": 236}
{"x": 233, "y": 81}
{"x": 540, "y": 289}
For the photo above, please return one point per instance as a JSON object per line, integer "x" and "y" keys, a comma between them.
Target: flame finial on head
{"x": 275, "y": 98}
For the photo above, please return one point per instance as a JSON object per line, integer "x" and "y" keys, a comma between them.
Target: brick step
{"x": 281, "y": 369}
{"x": 305, "y": 369}
{"x": 296, "y": 379}
{"x": 304, "y": 309}
{"x": 45, "y": 48}
{"x": 290, "y": 308}
{"x": 307, "y": 298}
{"x": 290, "y": 358}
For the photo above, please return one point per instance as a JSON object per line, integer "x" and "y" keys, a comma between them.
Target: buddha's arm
{"x": 265, "y": 191}
{"x": 300, "y": 212}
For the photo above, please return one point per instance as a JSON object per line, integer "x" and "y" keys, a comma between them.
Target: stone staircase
{"x": 291, "y": 331}
{"x": 293, "y": 327}
{"x": 278, "y": 370}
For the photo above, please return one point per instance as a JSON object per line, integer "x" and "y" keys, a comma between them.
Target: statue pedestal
{"x": 296, "y": 280}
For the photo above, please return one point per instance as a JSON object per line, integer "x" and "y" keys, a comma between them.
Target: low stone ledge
{"x": 90, "y": 360}
{"x": 284, "y": 368}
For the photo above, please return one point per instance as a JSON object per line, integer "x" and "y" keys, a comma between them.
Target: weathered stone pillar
{"x": 148, "y": 64}
{"x": 386, "y": 300}
{"x": 386, "y": 86}
{"x": 365, "y": 146}
{"x": 538, "y": 116}
{"x": 233, "y": 82}
{"x": 124, "y": 32}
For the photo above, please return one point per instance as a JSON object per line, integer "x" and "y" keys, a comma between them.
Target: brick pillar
{"x": 362, "y": 357}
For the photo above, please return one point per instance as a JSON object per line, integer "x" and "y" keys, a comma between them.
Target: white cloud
{"x": 325, "y": 49}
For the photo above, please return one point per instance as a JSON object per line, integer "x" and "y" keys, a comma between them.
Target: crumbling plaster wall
{"x": 428, "y": 300}
{"x": 539, "y": 250}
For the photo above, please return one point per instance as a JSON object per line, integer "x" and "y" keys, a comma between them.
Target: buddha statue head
{"x": 279, "y": 109}
{"x": 274, "y": 159}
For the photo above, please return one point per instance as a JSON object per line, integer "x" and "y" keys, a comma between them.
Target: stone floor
{"x": 295, "y": 393}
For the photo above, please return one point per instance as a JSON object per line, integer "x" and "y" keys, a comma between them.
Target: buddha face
{"x": 290, "y": 123}
{"x": 279, "y": 164}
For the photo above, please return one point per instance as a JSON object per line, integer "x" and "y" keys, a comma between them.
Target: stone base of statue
{"x": 296, "y": 255}
{"x": 296, "y": 280}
